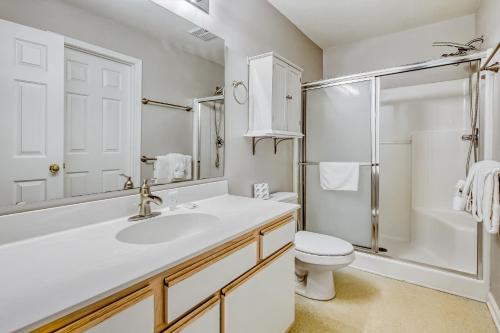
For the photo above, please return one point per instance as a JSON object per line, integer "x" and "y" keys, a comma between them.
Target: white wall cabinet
{"x": 262, "y": 300}
{"x": 274, "y": 97}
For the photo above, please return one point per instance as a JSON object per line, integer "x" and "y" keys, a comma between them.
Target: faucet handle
{"x": 148, "y": 181}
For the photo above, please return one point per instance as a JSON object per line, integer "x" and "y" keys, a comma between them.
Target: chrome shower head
{"x": 462, "y": 49}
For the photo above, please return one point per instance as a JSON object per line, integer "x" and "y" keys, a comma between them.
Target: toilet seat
{"x": 319, "y": 249}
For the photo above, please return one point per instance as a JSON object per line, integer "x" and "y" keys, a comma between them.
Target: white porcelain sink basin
{"x": 167, "y": 228}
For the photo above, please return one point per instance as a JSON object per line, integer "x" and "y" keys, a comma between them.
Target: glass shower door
{"x": 339, "y": 127}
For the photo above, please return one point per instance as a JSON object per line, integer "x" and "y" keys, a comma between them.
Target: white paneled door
{"x": 98, "y": 123}
{"x": 31, "y": 113}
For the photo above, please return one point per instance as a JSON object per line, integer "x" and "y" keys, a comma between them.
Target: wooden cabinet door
{"x": 132, "y": 314}
{"x": 262, "y": 300}
{"x": 279, "y": 122}
{"x": 204, "y": 319}
{"x": 293, "y": 100}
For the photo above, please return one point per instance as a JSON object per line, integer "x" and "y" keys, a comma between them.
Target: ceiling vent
{"x": 204, "y": 5}
{"x": 202, "y": 34}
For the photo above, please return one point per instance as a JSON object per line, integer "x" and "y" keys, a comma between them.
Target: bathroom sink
{"x": 167, "y": 228}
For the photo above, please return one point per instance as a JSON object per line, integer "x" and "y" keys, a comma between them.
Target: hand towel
{"x": 339, "y": 176}
{"x": 162, "y": 169}
{"x": 490, "y": 208}
{"x": 481, "y": 194}
{"x": 172, "y": 167}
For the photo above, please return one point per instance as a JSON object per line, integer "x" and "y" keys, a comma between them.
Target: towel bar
{"x": 147, "y": 160}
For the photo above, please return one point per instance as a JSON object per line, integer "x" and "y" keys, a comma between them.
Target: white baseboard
{"x": 494, "y": 310}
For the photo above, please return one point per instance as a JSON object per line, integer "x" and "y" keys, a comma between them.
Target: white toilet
{"x": 317, "y": 256}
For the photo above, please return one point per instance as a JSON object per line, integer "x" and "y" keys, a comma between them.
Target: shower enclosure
{"x": 411, "y": 129}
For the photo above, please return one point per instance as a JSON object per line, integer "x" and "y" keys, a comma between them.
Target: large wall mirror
{"x": 93, "y": 92}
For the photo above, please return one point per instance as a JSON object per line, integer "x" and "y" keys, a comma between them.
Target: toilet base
{"x": 315, "y": 284}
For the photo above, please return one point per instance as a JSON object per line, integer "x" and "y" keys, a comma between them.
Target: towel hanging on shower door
{"x": 339, "y": 176}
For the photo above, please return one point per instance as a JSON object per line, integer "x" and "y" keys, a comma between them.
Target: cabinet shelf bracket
{"x": 255, "y": 141}
{"x": 277, "y": 141}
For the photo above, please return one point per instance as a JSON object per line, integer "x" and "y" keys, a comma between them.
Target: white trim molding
{"x": 494, "y": 310}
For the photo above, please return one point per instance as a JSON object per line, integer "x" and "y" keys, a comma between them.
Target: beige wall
{"x": 251, "y": 27}
{"x": 396, "y": 49}
{"x": 488, "y": 24}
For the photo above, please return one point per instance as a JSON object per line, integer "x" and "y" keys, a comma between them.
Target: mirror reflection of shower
{"x": 210, "y": 143}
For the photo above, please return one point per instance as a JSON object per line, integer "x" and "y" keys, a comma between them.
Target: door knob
{"x": 289, "y": 97}
{"x": 54, "y": 168}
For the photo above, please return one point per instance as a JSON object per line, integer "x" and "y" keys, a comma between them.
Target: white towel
{"x": 479, "y": 194}
{"x": 339, "y": 176}
{"x": 172, "y": 167}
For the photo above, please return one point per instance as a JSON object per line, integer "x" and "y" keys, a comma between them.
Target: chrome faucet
{"x": 145, "y": 199}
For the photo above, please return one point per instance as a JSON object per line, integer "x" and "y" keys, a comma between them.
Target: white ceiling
{"x": 157, "y": 22}
{"x": 332, "y": 22}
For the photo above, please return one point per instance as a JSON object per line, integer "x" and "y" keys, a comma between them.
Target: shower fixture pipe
{"x": 493, "y": 67}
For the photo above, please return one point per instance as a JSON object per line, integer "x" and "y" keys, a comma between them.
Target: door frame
{"x": 135, "y": 96}
{"x": 374, "y": 155}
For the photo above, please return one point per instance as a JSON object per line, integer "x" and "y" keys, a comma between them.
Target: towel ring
{"x": 236, "y": 84}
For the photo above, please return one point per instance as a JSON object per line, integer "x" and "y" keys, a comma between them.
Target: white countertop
{"x": 45, "y": 277}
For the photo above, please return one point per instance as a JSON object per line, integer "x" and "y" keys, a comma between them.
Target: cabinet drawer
{"x": 276, "y": 236}
{"x": 262, "y": 300}
{"x": 186, "y": 289}
{"x": 133, "y": 313}
{"x": 204, "y": 319}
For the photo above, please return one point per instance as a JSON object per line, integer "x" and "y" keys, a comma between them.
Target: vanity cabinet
{"x": 243, "y": 285}
{"x": 133, "y": 313}
{"x": 274, "y": 97}
{"x": 205, "y": 319}
{"x": 275, "y": 236}
{"x": 187, "y": 288}
{"x": 263, "y": 299}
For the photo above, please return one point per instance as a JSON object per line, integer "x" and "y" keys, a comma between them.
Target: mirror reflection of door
{"x": 31, "y": 112}
{"x": 98, "y": 114}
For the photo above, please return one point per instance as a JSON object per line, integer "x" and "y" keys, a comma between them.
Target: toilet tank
{"x": 288, "y": 197}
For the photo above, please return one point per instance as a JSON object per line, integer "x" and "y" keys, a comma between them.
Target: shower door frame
{"x": 375, "y": 76}
{"x": 374, "y": 158}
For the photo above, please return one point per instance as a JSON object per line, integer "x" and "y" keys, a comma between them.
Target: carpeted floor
{"x": 370, "y": 303}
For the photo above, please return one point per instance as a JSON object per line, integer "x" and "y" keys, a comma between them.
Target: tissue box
{"x": 261, "y": 191}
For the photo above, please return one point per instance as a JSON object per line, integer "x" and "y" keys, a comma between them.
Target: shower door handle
{"x": 470, "y": 137}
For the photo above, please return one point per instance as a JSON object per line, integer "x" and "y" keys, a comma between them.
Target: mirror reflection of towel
{"x": 172, "y": 167}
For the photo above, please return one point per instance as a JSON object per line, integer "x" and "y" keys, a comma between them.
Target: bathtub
{"x": 445, "y": 238}
{"x": 440, "y": 248}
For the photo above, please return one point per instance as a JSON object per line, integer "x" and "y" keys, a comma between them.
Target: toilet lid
{"x": 321, "y": 245}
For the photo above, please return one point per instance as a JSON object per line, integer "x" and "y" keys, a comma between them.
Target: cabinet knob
{"x": 289, "y": 97}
